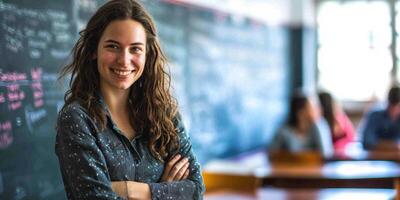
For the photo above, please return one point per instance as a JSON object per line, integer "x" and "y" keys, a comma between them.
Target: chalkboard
{"x": 36, "y": 39}
{"x": 230, "y": 76}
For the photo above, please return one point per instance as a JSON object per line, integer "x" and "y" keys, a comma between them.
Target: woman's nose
{"x": 125, "y": 58}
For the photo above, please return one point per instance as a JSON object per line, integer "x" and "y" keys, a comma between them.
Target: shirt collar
{"x": 104, "y": 106}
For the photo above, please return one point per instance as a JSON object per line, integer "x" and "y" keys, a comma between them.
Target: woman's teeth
{"x": 122, "y": 72}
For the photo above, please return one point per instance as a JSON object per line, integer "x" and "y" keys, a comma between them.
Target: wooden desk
{"x": 311, "y": 174}
{"x": 306, "y": 194}
{"x": 385, "y": 150}
{"x": 367, "y": 155}
{"x": 336, "y": 174}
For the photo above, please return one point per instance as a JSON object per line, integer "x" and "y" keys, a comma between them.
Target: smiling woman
{"x": 119, "y": 134}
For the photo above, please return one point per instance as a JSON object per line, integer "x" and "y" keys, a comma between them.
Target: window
{"x": 354, "y": 55}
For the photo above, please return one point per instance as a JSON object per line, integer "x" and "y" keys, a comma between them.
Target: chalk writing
{"x": 12, "y": 76}
{"x": 6, "y": 137}
{"x": 36, "y": 85}
{"x": 2, "y": 98}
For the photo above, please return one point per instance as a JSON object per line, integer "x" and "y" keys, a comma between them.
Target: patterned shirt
{"x": 91, "y": 159}
{"x": 377, "y": 125}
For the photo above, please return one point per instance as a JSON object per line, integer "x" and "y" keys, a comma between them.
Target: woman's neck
{"x": 117, "y": 101}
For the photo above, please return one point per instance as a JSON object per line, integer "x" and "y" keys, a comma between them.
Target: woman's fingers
{"x": 178, "y": 168}
{"x": 186, "y": 174}
{"x": 171, "y": 163}
{"x": 181, "y": 173}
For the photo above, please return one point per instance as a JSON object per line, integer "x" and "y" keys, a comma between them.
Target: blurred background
{"x": 234, "y": 65}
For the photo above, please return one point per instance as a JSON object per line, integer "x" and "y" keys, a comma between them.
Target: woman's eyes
{"x": 132, "y": 49}
{"x": 112, "y": 46}
{"x": 136, "y": 49}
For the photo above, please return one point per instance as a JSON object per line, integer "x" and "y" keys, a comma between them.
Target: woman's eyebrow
{"x": 132, "y": 44}
{"x": 111, "y": 41}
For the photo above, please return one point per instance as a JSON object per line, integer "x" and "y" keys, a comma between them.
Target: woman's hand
{"x": 176, "y": 169}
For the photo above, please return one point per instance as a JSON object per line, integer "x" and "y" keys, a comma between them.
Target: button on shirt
{"x": 90, "y": 159}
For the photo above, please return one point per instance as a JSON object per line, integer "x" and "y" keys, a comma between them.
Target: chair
{"x": 231, "y": 182}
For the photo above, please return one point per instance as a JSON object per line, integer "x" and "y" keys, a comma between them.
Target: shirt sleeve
{"x": 323, "y": 134}
{"x": 278, "y": 142}
{"x": 190, "y": 188}
{"x": 347, "y": 127}
{"x": 367, "y": 131}
{"x": 82, "y": 164}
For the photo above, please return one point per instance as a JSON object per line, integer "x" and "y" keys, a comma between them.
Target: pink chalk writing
{"x": 5, "y": 126}
{"x": 12, "y": 76}
{"x": 16, "y": 96}
{"x": 2, "y": 98}
{"x": 37, "y": 85}
{"x": 38, "y": 103}
{"x": 5, "y": 140}
{"x": 14, "y": 105}
{"x": 37, "y": 94}
{"x": 13, "y": 87}
{"x": 36, "y": 74}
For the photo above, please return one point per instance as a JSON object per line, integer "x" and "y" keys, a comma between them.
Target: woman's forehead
{"x": 125, "y": 31}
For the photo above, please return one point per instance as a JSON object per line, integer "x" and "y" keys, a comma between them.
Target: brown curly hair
{"x": 154, "y": 109}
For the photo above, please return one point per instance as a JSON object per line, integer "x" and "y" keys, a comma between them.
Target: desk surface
{"x": 258, "y": 164}
{"x": 350, "y": 173}
{"x": 333, "y": 170}
{"x": 306, "y": 194}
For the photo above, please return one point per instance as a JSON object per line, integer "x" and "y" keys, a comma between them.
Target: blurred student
{"x": 381, "y": 127}
{"x": 341, "y": 128}
{"x": 304, "y": 130}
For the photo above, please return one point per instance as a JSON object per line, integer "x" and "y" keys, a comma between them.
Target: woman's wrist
{"x": 137, "y": 190}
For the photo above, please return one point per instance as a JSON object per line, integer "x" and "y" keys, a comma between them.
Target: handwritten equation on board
{"x": 22, "y": 96}
{"x": 5, "y": 134}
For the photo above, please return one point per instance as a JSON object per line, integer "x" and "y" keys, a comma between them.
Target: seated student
{"x": 382, "y": 125}
{"x": 304, "y": 130}
{"x": 340, "y": 126}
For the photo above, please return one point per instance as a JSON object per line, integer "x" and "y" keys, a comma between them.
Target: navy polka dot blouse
{"x": 90, "y": 159}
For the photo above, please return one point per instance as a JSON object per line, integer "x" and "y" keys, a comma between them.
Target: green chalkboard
{"x": 36, "y": 38}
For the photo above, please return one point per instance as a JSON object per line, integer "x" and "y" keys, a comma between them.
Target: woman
{"x": 341, "y": 127}
{"x": 304, "y": 131}
{"x": 119, "y": 135}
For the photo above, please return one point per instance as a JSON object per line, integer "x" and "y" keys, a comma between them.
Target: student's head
{"x": 394, "y": 95}
{"x": 119, "y": 50}
{"x": 300, "y": 109}
{"x": 394, "y": 101}
{"x": 327, "y": 106}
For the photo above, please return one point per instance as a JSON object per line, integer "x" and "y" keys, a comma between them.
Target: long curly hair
{"x": 153, "y": 109}
{"x": 328, "y": 111}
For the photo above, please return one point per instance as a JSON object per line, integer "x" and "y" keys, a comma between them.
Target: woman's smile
{"x": 121, "y": 72}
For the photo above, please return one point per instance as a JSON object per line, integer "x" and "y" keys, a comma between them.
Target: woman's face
{"x": 121, "y": 55}
{"x": 308, "y": 112}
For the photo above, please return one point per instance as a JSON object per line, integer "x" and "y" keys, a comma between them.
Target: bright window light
{"x": 354, "y": 59}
